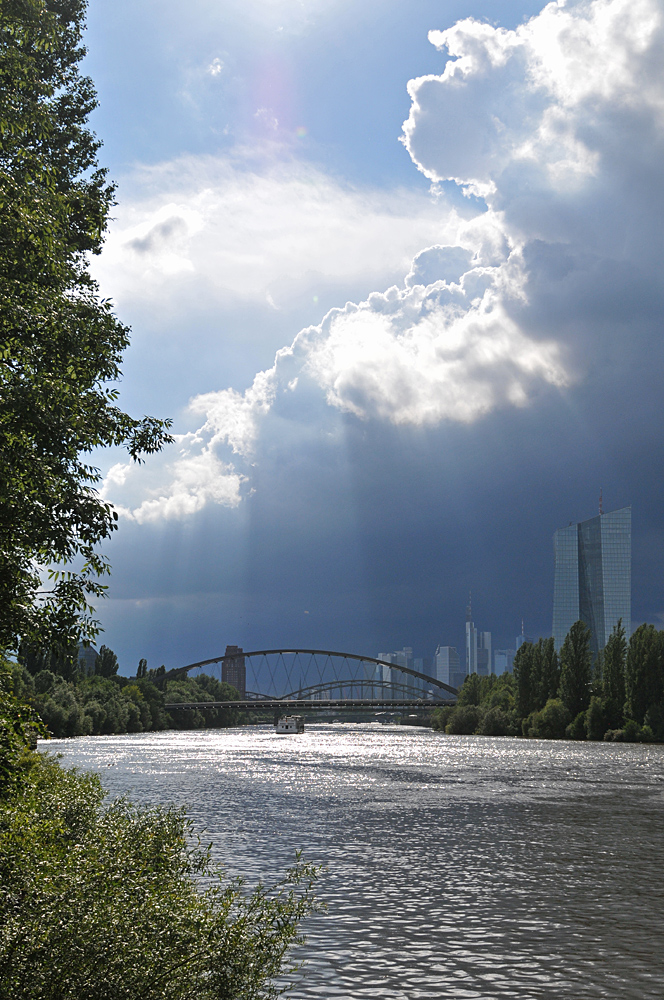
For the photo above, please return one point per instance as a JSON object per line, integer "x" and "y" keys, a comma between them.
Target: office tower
{"x": 484, "y": 653}
{"x": 471, "y": 641}
{"x": 593, "y": 576}
{"x": 387, "y": 675}
{"x": 233, "y": 671}
{"x": 87, "y": 657}
{"x": 503, "y": 661}
{"x": 447, "y": 666}
{"x": 520, "y": 639}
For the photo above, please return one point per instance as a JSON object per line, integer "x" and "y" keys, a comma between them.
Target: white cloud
{"x": 257, "y": 226}
{"x": 542, "y": 122}
{"x": 534, "y": 93}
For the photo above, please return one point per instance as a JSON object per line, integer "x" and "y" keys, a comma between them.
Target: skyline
{"x": 395, "y": 276}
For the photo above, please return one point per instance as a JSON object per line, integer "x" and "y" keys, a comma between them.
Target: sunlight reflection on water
{"x": 456, "y": 866}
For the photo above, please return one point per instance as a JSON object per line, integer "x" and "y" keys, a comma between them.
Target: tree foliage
{"x": 60, "y": 344}
{"x": 575, "y": 669}
{"x": 613, "y": 675}
{"x": 644, "y": 671}
{"x": 105, "y": 902}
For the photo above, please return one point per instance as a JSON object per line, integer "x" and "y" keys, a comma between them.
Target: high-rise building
{"x": 593, "y": 577}
{"x": 484, "y": 653}
{"x": 503, "y": 661}
{"x": 233, "y": 670}
{"x": 471, "y": 641}
{"x": 520, "y": 639}
{"x": 447, "y": 666}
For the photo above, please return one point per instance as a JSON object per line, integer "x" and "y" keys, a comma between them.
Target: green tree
{"x": 471, "y": 690}
{"x": 60, "y": 344}
{"x": 644, "y": 671}
{"x": 549, "y": 672}
{"x": 549, "y": 723}
{"x": 118, "y": 901}
{"x": 106, "y": 664}
{"x": 142, "y": 670}
{"x": 613, "y": 676}
{"x": 523, "y": 679}
{"x": 575, "y": 669}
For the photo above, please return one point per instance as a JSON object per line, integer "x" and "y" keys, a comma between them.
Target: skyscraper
{"x": 471, "y": 641}
{"x": 484, "y": 653}
{"x": 447, "y": 667}
{"x": 233, "y": 671}
{"x": 593, "y": 576}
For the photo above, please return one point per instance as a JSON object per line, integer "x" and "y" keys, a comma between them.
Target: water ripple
{"x": 456, "y": 867}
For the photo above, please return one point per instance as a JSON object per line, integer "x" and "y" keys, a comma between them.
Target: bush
{"x": 631, "y": 731}
{"x": 107, "y": 903}
{"x": 463, "y": 721}
{"x": 596, "y": 721}
{"x": 496, "y": 722}
{"x": 440, "y": 717}
{"x": 550, "y": 723}
{"x": 654, "y": 718}
{"x": 577, "y": 728}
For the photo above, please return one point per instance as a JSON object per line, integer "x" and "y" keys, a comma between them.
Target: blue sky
{"x": 397, "y": 356}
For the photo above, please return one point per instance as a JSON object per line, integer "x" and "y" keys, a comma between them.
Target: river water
{"x": 456, "y": 866}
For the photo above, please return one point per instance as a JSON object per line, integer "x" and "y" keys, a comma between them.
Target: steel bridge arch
{"x": 291, "y": 650}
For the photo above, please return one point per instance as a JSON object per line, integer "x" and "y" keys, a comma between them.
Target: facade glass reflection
{"x": 593, "y": 576}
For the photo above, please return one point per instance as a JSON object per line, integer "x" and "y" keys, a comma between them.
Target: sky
{"x": 395, "y": 271}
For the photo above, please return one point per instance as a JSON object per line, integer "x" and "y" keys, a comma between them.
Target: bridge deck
{"x": 318, "y": 703}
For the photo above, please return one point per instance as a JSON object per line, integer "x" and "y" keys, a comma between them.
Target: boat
{"x": 289, "y": 724}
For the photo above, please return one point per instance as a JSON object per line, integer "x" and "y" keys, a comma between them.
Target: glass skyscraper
{"x": 593, "y": 576}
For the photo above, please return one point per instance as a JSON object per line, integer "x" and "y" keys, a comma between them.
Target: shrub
{"x": 116, "y": 902}
{"x": 549, "y": 723}
{"x": 576, "y": 730}
{"x": 631, "y": 731}
{"x": 496, "y": 722}
{"x": 463, "y": 721}
{"x": 440, "y": 717}
{"x": 596, "y": 721}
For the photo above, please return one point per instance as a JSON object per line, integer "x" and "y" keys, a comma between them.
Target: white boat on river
{"x": 289, "y": 725}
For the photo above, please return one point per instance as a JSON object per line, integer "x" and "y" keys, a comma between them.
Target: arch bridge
{"x": 289, "y": 679}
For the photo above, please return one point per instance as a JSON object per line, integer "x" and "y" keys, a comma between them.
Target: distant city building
{"x": 520, "y": 639}
{"x": 233, "y": 671}
{"x": 593, "y": 576}
{"x": 387, "y": 675}
{"x": 471, "y": 641}
{"x": 448, "y": 667}
{"x": 87, "y": 657}
{"x": 484, "y": 653}
{"x": 503, "y": 661}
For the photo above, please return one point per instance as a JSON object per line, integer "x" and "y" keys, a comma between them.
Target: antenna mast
{"x": 601, "y": 504}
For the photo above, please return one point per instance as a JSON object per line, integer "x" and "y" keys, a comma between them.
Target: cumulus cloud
{"x": 257, "y": 226}
{"x": 540, "y": 122}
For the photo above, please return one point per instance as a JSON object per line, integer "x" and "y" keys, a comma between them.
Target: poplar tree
{"x": 523, "y": 677}
{"x": 613, "y": 676}
{"x": 575, "y": 669}
{"x": 60, "y": 344}
{"x": 549, "y": 674}
{"x": 644, "y": 671}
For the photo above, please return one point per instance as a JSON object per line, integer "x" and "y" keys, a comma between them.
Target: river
{"x": 456, "y": 866}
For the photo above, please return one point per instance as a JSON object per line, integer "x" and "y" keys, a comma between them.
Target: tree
{"x": 613, "y": 676}
{"x": 549, "y": 672}
{"x": 142, "y": 670}
{"x": 470, "y": 692}
{"x": 575, "y": 669}
{"x": 119, "y": 901}
{"x": 523, "y": 677}
{"x": 644, "y": 671}
{"x": 106, "y": 664}
{"x": 60, "y": 344}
